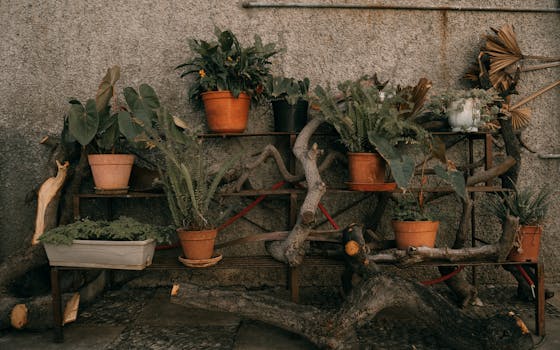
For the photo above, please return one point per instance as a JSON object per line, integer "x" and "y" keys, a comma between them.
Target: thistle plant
{"x": 530, "y": 206}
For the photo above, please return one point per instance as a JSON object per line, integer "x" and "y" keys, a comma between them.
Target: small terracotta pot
{"x": 197, "y": 245}
{"x": 530, "y": 244}
{"x": 224, "y": 113}
{"x": 415, "y": 233}
{"x": 111, "y": 171}
{"x": 366, "y": 168}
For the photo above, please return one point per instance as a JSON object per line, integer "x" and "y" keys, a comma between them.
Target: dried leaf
{"x": 180, "y": 122}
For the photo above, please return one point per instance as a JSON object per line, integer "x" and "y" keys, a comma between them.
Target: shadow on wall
{"x": 23, "y": 168}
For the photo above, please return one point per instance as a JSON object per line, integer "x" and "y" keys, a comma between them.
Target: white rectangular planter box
{"x": 126, "y": 255}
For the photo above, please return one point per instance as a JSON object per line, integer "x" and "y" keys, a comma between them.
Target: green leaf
{"x": 149, "y": 96}
{"x": 143, "y": 104}
{"x": 129, "y": 127}
{"x": 402, "y": 166}
{"x": 453, "y": 178}
{"x": 83, "y": 122}
{"x": 108, "y": 136}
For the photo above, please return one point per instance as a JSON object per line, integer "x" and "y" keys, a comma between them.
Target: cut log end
{"x": 18, "y": 317}
{"x": 352, "y": 248}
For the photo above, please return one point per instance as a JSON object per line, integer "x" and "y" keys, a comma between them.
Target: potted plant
{"x": 124, "y": 244}
{"x": 531, "y": 207}
{"x": 188, "y": 183}
{"x": 96, "y": 126}
{"x": 227, "y": 76}
{"x": 372, "y": 120}
{"x": 289, "y": 98}
{"x": 465, "y": 110}
{"x": 412, "y": 225}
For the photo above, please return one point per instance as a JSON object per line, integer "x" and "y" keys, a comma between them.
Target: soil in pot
{"x": 289, "y": 118}
{"x": 224, "y": 113}
{"x": 197, "y": 245}
{"x": 111, "y": 172}
{"x": 415, "y": 233}
{"x": 530, "y": 239}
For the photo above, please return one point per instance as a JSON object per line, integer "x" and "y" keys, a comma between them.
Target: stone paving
{"x": 129, "y": 319}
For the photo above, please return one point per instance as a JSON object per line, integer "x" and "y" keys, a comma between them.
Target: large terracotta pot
{"x": 197, "y": 245}
{"x": 224, "y": 113}
{"x": 111, "y": 171}
{"x": 415, "y": 233}
{"x": 366, "y": 168}
{"x": 530, "y": 238}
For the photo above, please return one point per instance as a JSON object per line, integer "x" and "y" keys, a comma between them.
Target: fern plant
{"x": 122, "y": 229}
{"x": 189, "y": 186}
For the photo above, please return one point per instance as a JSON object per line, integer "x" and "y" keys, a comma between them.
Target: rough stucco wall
{"x": 53, "y": 50}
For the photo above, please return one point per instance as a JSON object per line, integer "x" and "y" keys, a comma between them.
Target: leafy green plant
{"x": 122, "y": 229}
{"x": 95, "y": 124}
{"x": 226, "y": 65}
{"x": 409, "y": 209}
{"x": 189, "y": 185}
{"x": 369, "y": 117}
{"x": 361, "y": 107}
{"x": 288, "y": 89}
{"x": 530, "y": 206}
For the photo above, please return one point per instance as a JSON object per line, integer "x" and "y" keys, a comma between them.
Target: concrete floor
{"x": 118, "y": 322}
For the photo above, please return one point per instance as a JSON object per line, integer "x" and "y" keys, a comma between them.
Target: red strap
{"x": 249, "y": 207}
{"x": 331, "y": 220}
{"x": 444, "y": 277}
{"x": 525, "y": 275}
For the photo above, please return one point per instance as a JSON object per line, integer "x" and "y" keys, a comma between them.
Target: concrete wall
{"x": 53, "y": 50}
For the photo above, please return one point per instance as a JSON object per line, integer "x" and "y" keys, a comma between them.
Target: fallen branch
{"x": 338, "y": 330}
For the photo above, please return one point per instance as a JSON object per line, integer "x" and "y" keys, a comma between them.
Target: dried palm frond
{"x": 506, "y": 56}
{"x": 416, "y": 96}
{"x": 503, "y": 48}
{"x": 491, "y": 125}
{"x": 520, "y": 117}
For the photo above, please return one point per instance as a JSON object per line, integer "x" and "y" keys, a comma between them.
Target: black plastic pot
{"x": 289, "y": 118}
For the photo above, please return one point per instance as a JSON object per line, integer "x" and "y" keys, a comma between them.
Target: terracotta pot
{"x": 415, "y": 233}
{"x": 111, "y": 171}
{"x": 224, "y": 113}
{"x": 366, "y": 168}
{"x": 197, "y": 245}
{"x": 530, "y": 237}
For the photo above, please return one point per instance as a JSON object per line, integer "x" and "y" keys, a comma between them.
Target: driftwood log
{"x": 47, "y": 202}
{"x": 338, "y": 330}
{"x": 292, "y": 250}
